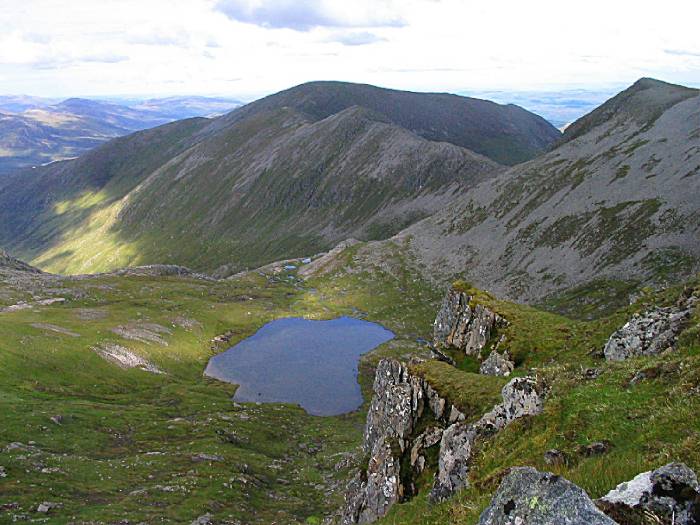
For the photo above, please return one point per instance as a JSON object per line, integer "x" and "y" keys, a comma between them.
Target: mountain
{"x": 507, "y": 134}
{"x": 271, "y": 180}
{"x": 20, "y": 103}
{"x": 617, "y": 201}
{"x": 38, "y": 133}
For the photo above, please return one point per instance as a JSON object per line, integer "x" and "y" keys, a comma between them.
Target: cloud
{"x": 178, "y": 38}
{"x": 360, "y": 38}
{"x": 304, "y": 16}
{"x": 682, "y": 52}
{"x": 64, "y": 61}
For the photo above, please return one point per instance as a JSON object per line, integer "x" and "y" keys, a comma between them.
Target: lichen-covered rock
{"x": 427, "y": 439}
{"x": 669, "y": 495}
{"x": 649, "y": 333}
{"x": 400, "y": 400}
{"x": 529, "y": 497}
{"x": 464, "y": 326}
{"x": 497, "y": 365}
{"x": 397, "y": 403}
{"x": 522, "y": 396}
{"x": 453, "y": 463}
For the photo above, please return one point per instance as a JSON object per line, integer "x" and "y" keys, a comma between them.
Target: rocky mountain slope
{"x": 287, "y": 176}
{"x": 617, "y": 201}
{"x": 33, "y": 132}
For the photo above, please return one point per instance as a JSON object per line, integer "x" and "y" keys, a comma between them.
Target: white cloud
{"x": 68, "y": 47}
{"x": 308, "y": 14}
{"x": 355, "y": 38}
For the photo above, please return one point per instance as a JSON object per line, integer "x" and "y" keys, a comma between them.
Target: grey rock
{"x": 596, "y": 448}
{"x": 522, "y": 396}
{"x": 497, "y": 365}
{"x": 202, "y": 520}
{"x": 649, "y": 333}
{"x": 58, "y": 419}
{"x": 3, "y": 472}
{"x": 453, "y": 463}
{"x": 669, "y": 495}
{"x": 47, "y": 506}
{"x": 529, "y": 497}
{"x": 463, "y": 326}
{"x": 198, "y": 458}
{"x": 400, "y": 400}
{"x": 554, "y": 457}
{"x": 427, "y": 439}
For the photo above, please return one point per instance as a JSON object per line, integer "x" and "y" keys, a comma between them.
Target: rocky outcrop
{"x": 522, "y": 396}
{"x": 649, "y": 333}
{"x": 497, "y": 365}
{"x": 463, "y": 325}
{"x": 669, "y": 495}
{"x": 529, "y": 497}
{"x": 407, "y": 418}
{"x": 124, "y": 358}
{"x": 400, "y": 401}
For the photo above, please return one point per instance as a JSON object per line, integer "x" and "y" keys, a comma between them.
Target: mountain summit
{"x": 507, "y": 134}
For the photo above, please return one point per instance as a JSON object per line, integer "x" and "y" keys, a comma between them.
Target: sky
{"x": 249, "y": 48}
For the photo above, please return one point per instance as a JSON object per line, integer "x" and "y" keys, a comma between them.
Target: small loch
{"x": 310, "y": 363}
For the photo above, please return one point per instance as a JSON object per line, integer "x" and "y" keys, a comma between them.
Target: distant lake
{"x": 300, "y": 361}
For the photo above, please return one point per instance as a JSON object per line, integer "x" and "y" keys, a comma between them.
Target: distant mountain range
{"x": 36, "y": 131}
{"x": 288, "y": 175}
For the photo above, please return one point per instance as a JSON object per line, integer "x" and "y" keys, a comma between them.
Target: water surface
{"x": 300, "y": 361}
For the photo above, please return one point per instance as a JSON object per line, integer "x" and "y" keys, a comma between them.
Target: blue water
{"x": 294, "y": 360}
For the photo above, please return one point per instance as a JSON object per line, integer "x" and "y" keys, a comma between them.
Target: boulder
{"x": 497, "y": 365}
{"x": 47, "y": 506}
{"x": 463, "y": 325}
{"x": 669, "y": 495}
{"x": 554, "y": 457}
{"x": 649, "y": 333}
{"x": 529, "y": 497}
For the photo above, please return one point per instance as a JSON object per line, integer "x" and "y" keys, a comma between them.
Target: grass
{"x": 126, "y": 444}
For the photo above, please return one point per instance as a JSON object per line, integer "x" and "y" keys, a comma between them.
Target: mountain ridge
{"x": 264, "y": 182}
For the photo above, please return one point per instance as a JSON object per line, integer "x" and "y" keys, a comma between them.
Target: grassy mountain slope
{"x": 239, "y": 192}
{"x": 127, "y": 444}
{"x": 507, "y": 134}
{"x": 616, "y": 203}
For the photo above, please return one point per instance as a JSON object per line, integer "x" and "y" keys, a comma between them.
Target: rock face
{"x": 649, "y": 333}
{"x": 522, "y": 396}
{"x": 400, "y": 400}
{"x": 497, "y": 365}
{"x": 669, "y": 495}
{"x": 529, "y": 497}
{"x": 462, "y": 325}
{"x": 397, "y": 452}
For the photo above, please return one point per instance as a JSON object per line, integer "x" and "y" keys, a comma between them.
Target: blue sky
{"x": 249, "y": 48}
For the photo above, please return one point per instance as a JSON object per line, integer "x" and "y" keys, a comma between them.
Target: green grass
{"x": 125, "y": 446}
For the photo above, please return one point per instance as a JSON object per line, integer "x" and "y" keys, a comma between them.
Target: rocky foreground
{"x": 408, "y": 418}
